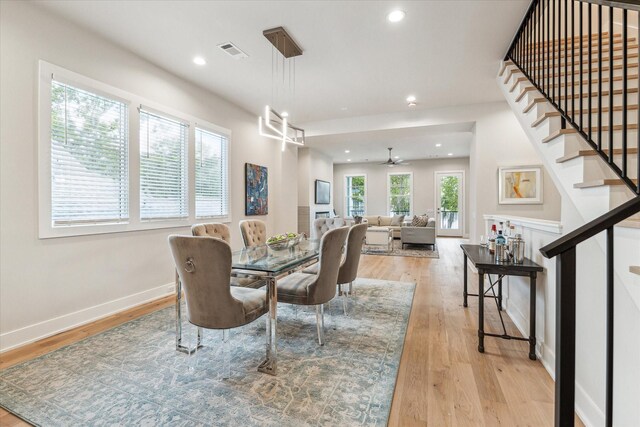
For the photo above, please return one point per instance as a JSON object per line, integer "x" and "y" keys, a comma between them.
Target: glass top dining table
{"x": 268, "y": 264}
{"x": 273, "y": 262}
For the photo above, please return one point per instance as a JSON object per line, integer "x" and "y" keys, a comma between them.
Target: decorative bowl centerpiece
{"x": 283, "y": 241}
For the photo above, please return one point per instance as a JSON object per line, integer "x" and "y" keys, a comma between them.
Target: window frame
{"x": 389, "y": 175}
{"x": 346, "y": 192}
{"x": 46, "y": 73}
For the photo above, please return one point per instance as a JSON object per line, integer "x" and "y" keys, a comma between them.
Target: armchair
{"x": 204, "y": 268}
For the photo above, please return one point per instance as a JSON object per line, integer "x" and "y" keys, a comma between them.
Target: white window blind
{"x": 212, "y": 185}
{"x": 89, "y": 157}
{"x": 163, "y": 167}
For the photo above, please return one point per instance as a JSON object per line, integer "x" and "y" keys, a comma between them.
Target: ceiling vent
{"x": 233, "y": 50}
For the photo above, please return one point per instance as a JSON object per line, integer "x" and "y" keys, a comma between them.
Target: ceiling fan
{"x": 391, "y": 163}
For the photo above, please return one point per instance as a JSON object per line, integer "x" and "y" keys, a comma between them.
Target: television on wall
{"x": 323, "y": 192}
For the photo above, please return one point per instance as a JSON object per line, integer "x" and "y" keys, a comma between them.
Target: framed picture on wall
{"x": 323, "y": 192}
{"x": 520, "y": 185}
{"x": 257, "y": 190}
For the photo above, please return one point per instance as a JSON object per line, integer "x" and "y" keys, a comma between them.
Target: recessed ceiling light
{"x": 397, "y": 157}
{"x": 411, "y": 98}
{"x": 348, "y": 160}
{"x": 396, "y": 15}
{"x": 347, "y": 151}
{"x": 199, "y": 60}
{"x": 438, "y": 145}
{"x": 450, "y": 154}
{"x": 343, "y": 108}
{"x": 412, "y": 104}
{"x": 285, "y": 114}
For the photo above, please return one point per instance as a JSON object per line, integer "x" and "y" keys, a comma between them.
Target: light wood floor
{"x": 443, "y": 380}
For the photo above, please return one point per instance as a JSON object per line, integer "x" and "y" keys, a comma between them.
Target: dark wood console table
{"x": 485, "y": 264}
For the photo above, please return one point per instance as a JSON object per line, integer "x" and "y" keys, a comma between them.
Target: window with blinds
{"x": 163, "y": 167}
{"x": 89, "y": 157}
{"x": 212, "y": 187}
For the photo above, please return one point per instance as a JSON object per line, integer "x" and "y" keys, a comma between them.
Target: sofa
{"x": 385, "y": 221}
{"x": 419, "y": 235}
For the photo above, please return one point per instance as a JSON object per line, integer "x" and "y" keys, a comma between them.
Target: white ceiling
{"x": 408, "y": 143}
{"x": 355, "y": 62}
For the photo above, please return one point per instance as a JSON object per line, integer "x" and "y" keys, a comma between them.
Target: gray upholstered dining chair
{"x": 349, "y": 269}
{"x": 316, "y": 289}
{"x": 322, "y": 225}
{"x": 204, "y": 268}
{"x": 254, "y": 232}
{"x": 244, "y": 278}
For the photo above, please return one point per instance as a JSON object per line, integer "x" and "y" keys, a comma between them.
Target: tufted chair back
{"x": 331, "y": 244}
{"x": 322, "y": 225}
{"x": 214, "y": 229}
{"x": 355, "y": 239}
{"x": 254, "y": 232}
{"x": 204, "y": 267}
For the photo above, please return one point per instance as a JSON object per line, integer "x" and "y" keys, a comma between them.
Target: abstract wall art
{"x": 257, "y": 190}
{"x": 520, "y": 185}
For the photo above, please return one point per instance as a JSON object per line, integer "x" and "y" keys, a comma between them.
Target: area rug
{"x": 132, "y": 375}
{"x": 419, "y": 251}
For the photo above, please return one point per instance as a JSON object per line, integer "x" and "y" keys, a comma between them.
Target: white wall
{"x": 423, "y": 183}
{"x": 499, "y": 141}
{"x": 49, "y": 285}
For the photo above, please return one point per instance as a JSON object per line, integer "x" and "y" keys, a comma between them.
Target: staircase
{"x": 572, "y": 78}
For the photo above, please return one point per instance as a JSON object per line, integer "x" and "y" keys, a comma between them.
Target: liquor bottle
{"x": 510, "y": 238}
{"x": 507, "y": 229}
{"x": 500, "y": 247}
{"x": 492, "y": 239}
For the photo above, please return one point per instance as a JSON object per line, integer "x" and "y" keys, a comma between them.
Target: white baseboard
{"x": 590, "y": 414}
{"x": 28, "y": 334}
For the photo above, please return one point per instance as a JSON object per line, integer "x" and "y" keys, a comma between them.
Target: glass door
{"x": 449, "y": 197}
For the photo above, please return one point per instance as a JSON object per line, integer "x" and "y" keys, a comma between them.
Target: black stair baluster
{"x": 609, "y": 313}
{"x": 599, "y": 77}
{"x": 580, "y": 31}
{"x": 566, "y": 55}
{"x": 624, "y": 94}
{"x": 589, "y": 124}
{"x": 549, "y": 69}
{"x": 540, "y": 62}
{"x": 573, "y": 64}
{"x": 553, "y": 53}
{"x": 610, "y": 157}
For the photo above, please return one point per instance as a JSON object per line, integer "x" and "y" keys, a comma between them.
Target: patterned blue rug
{"x": 132, "y": 375}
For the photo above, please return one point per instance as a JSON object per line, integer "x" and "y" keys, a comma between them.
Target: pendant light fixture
{"x": 275, "y": 125}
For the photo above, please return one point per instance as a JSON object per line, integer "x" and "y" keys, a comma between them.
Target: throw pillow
{"x": 419, "y": 221}
{"x": 431, "y": 222}
{"x": 397, "y": 220}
